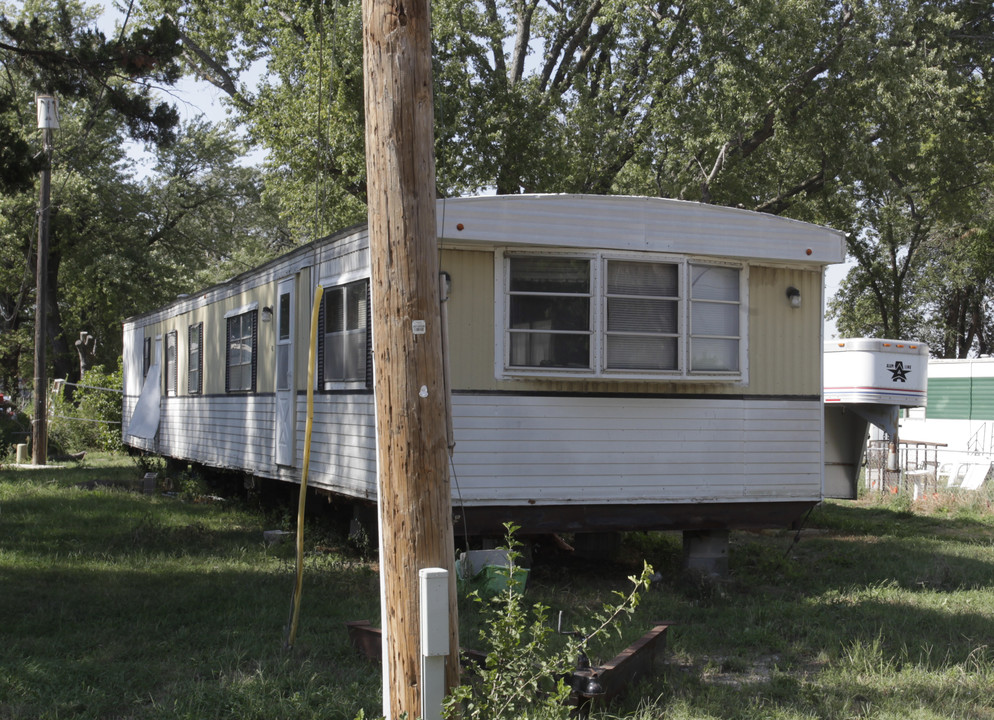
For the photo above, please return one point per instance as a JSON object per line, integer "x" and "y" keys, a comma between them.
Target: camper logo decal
{"x": 898, "y": 373}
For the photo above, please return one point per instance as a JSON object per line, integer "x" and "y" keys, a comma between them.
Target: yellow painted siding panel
{"x": 784, "y": 343}
{"x": 471, "y": 318}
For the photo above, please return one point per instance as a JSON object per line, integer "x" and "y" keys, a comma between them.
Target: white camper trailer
{"x": 867, "y": 381}
{"x": 616, "y": 363}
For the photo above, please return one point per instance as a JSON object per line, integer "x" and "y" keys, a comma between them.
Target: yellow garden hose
{"x": 311, "y": 362}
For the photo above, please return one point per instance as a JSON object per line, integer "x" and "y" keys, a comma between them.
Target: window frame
{"x": 195, "y": 365}
{"x": 333, "y": 384}
{"x": 171, "y": 374}
{"x": 230, "y": 318}
{"x": 598, "y": 369}
{"x": 146, "y": 356}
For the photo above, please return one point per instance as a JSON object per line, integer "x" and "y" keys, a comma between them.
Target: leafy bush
{"x": 528, "y": 664}
{"x": 15, "y": 427}
{"x": 91, "y": 420}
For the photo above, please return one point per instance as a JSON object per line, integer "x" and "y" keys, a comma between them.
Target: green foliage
{"x": 15, "y": 428}
{"x": 527, "y": 667}
{"x": 91, "y": 419}
{"x": 52, "y": 47}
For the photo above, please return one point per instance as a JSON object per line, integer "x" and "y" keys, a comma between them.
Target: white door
{"x": 285, "y": 391}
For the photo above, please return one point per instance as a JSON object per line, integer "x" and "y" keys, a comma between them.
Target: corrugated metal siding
{"x": 948, "y": 398}
{"x": 234, "y": 432}
{"x": 471, "y": 318}
{"x": 982, "y": 398}
{"x": 960, "y": 398}
{"x": 637, "y": 223}
{"x": 343, "y": 447}
{"x": 532, "y": 450}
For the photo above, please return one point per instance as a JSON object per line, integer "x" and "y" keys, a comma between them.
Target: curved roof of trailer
{"x": 636, "y": 223}
{"x": 605, "y": 222}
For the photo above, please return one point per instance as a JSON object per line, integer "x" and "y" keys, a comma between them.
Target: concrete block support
{"x": 706, "y": 551}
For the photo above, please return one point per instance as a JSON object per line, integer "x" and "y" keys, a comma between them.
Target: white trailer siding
{"x": 608, "y": 450}
{"x": 343, "y": 448}
{"x": 540, "y": 450}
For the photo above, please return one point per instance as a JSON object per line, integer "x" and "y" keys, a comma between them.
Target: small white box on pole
{"x": 434, "y": 611}
{"x": 434, "y": 597}
{"x": 48, "y": 112}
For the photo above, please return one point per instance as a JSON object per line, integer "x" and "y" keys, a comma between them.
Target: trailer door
{"x": 285, "y": 389}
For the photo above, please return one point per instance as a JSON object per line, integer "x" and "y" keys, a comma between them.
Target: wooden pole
{"x": 414, "y": 493}
{"x": 47, "y": 120}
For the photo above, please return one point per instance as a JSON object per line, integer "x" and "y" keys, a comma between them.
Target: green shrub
{"x": 91, "y": 420}
{"x": 528, "y": 664}
{"x": 14, "y": 428}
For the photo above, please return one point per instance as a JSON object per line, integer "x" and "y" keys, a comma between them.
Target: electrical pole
{"x": 48, "y": 120}
{"x": 412, "y": 459}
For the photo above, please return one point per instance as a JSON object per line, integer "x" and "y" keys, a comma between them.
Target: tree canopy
{"x": 120, "y": 243}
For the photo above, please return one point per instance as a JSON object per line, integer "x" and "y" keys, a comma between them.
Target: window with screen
{"x": 345, "y": 336}
{"x": 630, "y": 316}
{"x": 195, "y": 359}
{"x": 240, "y": 352}
{"x": 171, "y": 370}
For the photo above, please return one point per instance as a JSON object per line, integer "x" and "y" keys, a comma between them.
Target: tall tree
{"x": 53, "y": 48}
{"x": 121, "y": 244}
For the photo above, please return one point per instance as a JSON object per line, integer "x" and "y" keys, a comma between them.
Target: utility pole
{"x": 412, "y": 458}
{"x": 48, "y": 120}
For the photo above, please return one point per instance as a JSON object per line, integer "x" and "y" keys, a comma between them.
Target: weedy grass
{"x": 878, "y": 608}
{"x": 115, "y": 604}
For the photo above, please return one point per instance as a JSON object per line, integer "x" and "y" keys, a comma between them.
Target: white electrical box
{"x": 434, "y": 611}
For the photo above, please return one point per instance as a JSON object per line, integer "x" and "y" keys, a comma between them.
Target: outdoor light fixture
{"x": 267, "y": 314}
{"x": 794, "y": 297}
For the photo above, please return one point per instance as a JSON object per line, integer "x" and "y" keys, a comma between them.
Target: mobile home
{"x": 616, "y": 363}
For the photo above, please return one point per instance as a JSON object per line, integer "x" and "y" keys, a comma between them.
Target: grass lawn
{"x": 115, "y": 604}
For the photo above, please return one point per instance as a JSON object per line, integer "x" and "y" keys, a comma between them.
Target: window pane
{"x": 714, "y": 319}
{"x": 548, "y": 350}
{"x": 714, "y": 283}
{"x": 193, "y": 359}
{"x": 356, "y": 306}
{"x": 549, "y": 313}
{"x": 334, "y": 310}
{"x": 282, "y": 367}
{"x": 641, "y": 278}
{"x": 641, "y": 315}
{"x": 346, "y": 333}
{"x": 334, "y": 358}
{"x": 284, "y": 324}
{"x": 550, "y": 275}
{"x": 641, "y": 353}
{"x": 355, "y": 355}
{"x": 713, "y": 354}
{"x": 171, "y": 363}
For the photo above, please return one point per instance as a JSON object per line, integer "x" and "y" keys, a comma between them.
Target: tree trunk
{"x": 412, "y": 457}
